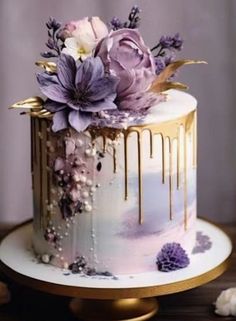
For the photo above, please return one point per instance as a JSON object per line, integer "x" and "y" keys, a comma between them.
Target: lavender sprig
{"x": 132, "y": 23}
{"x": 165, "y": 51}
{"x": 54, "y": 41}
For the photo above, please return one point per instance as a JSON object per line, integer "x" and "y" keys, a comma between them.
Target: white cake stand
{"x": 128, "y": 297}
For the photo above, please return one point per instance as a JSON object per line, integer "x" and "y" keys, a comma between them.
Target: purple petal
{"x": 79, "y": 120}
{"x": 45, "y": 79}
{"x": 53, "y": 106}
{"x": 101, "y": 105}
{"x": 103, "y": 87}
{"x": 60, "y": 120}
{"x": 90, "y": 70}
{"x": 66, "y": 69}
{"x": 56, "y": 93}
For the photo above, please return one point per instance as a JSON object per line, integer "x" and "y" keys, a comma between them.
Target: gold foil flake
{"x": 49, "y": 66}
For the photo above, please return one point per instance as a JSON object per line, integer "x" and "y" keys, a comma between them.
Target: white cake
{"x": 112, "y": 197}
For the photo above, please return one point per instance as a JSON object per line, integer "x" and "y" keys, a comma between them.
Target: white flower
{"x": 78, "y": 47}
{"x": 84, "y": 36}
{"x": 226, "y": 303}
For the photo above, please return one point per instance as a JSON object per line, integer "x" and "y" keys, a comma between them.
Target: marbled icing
{"x": 106, "y": 229}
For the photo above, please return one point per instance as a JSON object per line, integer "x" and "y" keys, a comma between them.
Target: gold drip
{"x": 126, "y": 165}
{"x": 44, "y": 173}
{"x": 178, "y": 161}
{"x": 140, "y": 183}
{"x": 114, "y": 160}
{"x": 38, "y": 171}
{"x": 104, "y": 143}
{"x": 185, "y": 183}
{"x": 194, "y": 141}
{"x": 32, "y": 147}
{"x": 151, "y": 143}
{"x": 49, "y": 177}
{"x": 170, "y": 182}
{"x": 163, "y": 159}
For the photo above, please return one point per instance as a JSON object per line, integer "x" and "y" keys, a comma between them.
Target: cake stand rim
{"x": 117, "y": 293}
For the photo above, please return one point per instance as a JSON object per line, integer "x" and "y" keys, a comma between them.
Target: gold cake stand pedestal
{"x": 126, "y": 298}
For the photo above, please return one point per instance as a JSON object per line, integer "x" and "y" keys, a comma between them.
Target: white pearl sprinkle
{"x": 85, "y": 194}
{"x": 45, "y": 258}
{"x": 83, "y": 179}
{"x": 76, "y": 178}
{"x": 60, "y": 249}
{"x": 93, "y": 189}
{"x": 88, "y": 208}
{"x": 90, "y": 152}
{"x": 89, "y": 182}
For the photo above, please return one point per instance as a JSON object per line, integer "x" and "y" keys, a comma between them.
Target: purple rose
{"x": 124, "y": 53}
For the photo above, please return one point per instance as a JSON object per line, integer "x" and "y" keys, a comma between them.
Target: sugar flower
{"x": 77, "y": 91}
{"x": 124, "y": 53}
{"x": 172, "y": 257}
{"x": 82, "y": 36}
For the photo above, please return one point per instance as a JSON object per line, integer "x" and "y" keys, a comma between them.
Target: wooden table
{"x": 192, "y": 305}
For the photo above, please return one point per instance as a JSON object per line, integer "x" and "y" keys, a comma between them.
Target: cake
{"x": 113, "y": 151}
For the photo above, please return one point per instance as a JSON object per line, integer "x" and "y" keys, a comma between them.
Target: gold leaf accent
{"x": 162, "y": 78}
{"x": 49, "y": 66}
{"x": 30, "y": 103}
{"x": 162, "y": 86}
{"x": 40, "y": 114}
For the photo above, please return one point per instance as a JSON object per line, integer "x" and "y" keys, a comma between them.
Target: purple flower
{"x": 132, "y": 23}
{"x": 160, "y": 64}
{"x": 77, "y": 91}
{"x": 168, "y": 42}
{"x": 172, "y": 257}
{"x": 53, "y": 24}
{"x": 178, "y": 42}
{"x": 116, "y": 23}
{"x": 124, "y": 53}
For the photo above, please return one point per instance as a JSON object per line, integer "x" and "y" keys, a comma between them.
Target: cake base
{"x": 106, "y": 293}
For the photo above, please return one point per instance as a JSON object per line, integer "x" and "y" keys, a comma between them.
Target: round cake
{"x": 112, "y": 197}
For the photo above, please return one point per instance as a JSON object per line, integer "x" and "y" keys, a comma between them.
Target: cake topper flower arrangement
{"x": 99, "y": 74}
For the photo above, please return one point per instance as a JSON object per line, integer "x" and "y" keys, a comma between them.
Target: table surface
{"x": 30, "y": 305}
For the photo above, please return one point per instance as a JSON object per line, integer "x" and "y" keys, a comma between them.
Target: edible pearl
{"x": 93, "y": 189}
{"x": 88, "y": 208}
{"x": 89, "y": 182}
{"x": 85, "y": 194}
{"x": 83, "y": 178}
{"x": 76, "y": 178}
{"x": 45, "y": 258}
{"x": 90, "y": 152}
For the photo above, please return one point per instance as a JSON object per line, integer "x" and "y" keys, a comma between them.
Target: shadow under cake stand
{"x": 126, "y": 297}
